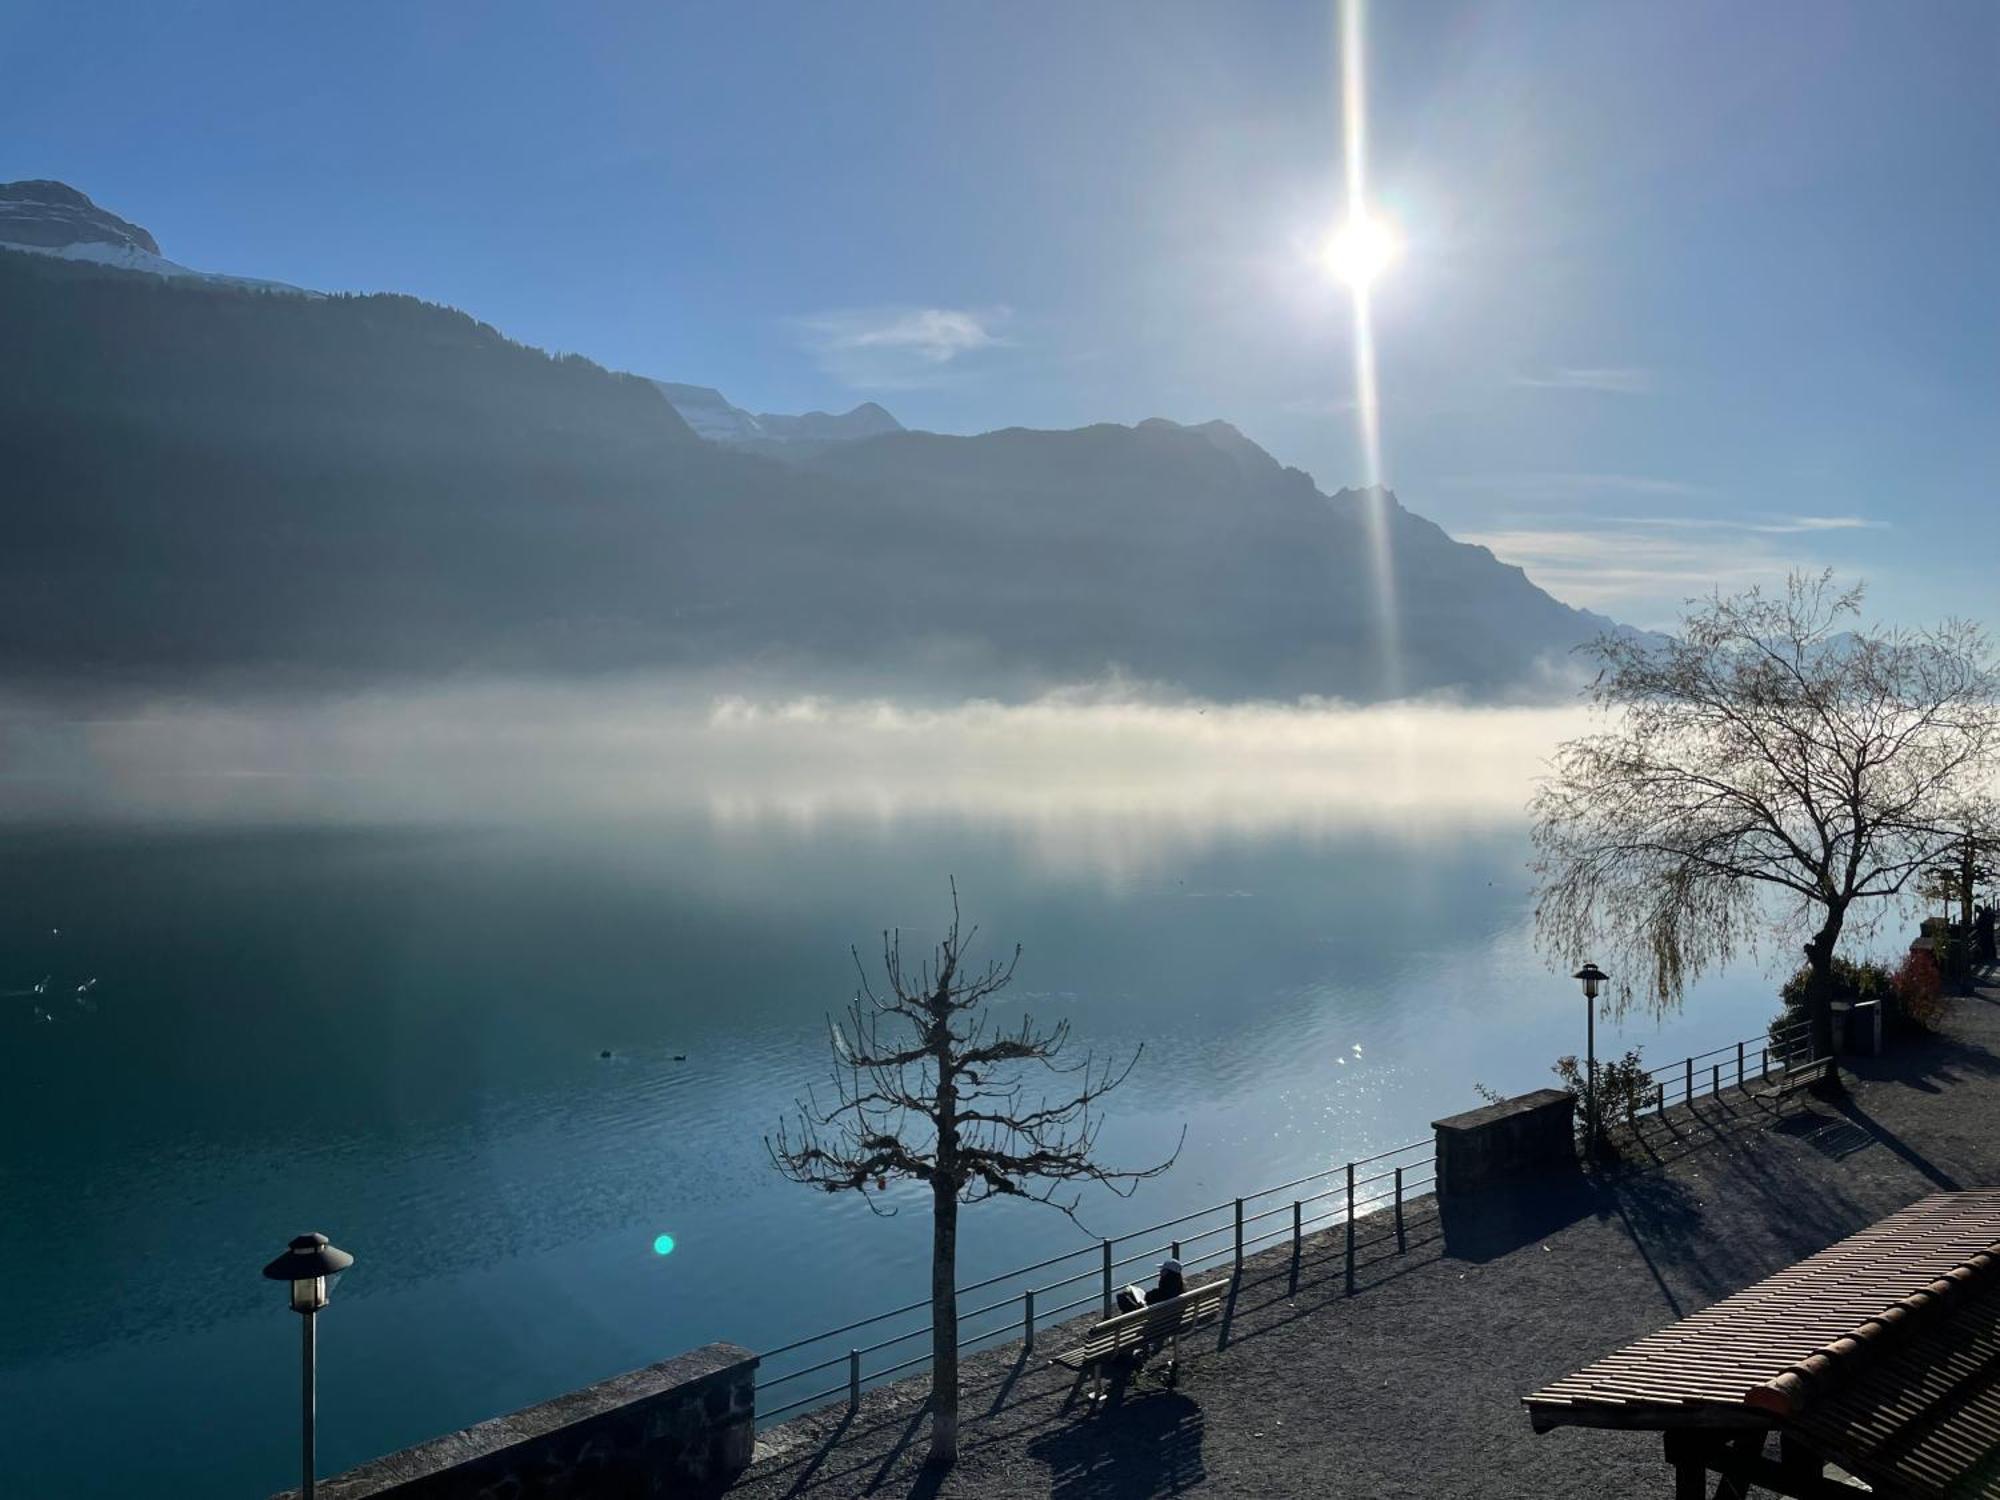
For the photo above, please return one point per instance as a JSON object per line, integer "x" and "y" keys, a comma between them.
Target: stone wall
{"x": 683, "y": 1427}
{"x": 1529, "y": 1136}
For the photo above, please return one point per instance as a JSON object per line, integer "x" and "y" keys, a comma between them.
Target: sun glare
{"x": 1362, "y": 249}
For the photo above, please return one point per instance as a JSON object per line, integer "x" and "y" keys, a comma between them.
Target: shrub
{"x": 1918, "y": 986}
{"x": 1623, "y": 1087}
{"x": 1852, "y": 981}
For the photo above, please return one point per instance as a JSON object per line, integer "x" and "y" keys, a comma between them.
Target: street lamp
{"x": 312, "y": 1266}
{"x": 1592, "y": 978}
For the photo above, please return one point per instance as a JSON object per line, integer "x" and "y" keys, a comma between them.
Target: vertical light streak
{"x": 1367, "y": 412}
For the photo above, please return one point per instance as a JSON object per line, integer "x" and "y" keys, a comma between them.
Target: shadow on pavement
{"x": 1487, "y": 1225}
{"x": 1147, "y": 1444}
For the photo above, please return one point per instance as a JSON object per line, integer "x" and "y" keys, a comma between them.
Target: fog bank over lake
{"x": 1094, "y": 777}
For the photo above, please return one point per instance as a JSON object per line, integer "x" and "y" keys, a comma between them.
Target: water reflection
{"x": 393, "y": 1027}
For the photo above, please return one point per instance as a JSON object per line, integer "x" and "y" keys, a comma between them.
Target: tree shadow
{"x": 1661, "y": 1217}
{"x": 1929, "y": 1064}
{"x": 1863, "y": 1121}
{"x": 1130, "y": 1450}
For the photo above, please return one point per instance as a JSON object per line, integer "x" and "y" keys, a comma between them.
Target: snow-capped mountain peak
{"x": 45, "y": 217}
{"x": 717, "y": 418}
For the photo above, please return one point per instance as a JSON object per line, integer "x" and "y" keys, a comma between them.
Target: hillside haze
{"x": 213, "y": 480}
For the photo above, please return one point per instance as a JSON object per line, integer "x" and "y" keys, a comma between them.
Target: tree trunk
{"x": 944, "y": 1264}
{"x": 1968, "y": 866}
{"x": 1819, "y": 985}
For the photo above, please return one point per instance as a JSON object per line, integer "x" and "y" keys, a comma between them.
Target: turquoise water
{"x": 393, "y": 1034}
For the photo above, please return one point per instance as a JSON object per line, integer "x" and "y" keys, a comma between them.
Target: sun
{"x": 1361, "y": 250}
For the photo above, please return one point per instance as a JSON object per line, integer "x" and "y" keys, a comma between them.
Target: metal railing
{"x": 1683, "y": 1082}
{"x": 1019, "y": 1302}
{"x": 1018, "y": 1311}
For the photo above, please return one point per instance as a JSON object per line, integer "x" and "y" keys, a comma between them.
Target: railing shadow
{"x": 1131, "y": 1450}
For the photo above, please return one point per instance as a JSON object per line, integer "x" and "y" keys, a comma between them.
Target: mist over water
{"x": 513, "y": 752}
{"x": 357, "y": 962}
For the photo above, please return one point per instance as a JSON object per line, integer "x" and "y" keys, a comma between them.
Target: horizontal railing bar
{"x": 832, "y": 1390}
{"x": 1133, "y": 1260}
{"x": 1040, "y": 1265}
{"x": 1392, "y": 1151}
{"x": 847, "y": 1328}
{"x": 825, "y": 1364}
{"x": 990, "y": 1307}
{"x": 892, "y": 1369}
{"x": 901, "y": 1338}
{"x": 1079, "y": 1276}
{"x": 1050, "y": 1312}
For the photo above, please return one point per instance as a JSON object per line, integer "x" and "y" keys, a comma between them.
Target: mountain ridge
{"x": 215, "y": 481}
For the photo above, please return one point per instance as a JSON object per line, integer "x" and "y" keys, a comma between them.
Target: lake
{"x": 355, "y": 972}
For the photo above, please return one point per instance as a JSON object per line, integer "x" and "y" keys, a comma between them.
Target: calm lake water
{"x": 393, "y": 1033}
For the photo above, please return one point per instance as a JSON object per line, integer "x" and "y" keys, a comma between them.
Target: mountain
{"x": 715, "y": 417}
{"x": 209, "y": 483}
{"x": 53, "y": 218}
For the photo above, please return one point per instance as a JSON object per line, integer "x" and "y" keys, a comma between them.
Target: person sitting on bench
{"x": 1172, "y": 1283}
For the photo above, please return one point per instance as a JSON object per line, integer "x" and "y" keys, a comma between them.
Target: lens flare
{"x": 1358, "y": 254}
{"x": 663, "y": 1244}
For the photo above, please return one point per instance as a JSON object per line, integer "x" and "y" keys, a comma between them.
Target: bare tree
{"x": 1764, "y": 770}
{"x": 1968, "y": 866}
{"x": 928, "y": 1088}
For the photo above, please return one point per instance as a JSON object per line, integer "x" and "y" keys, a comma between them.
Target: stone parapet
{"x": 683, "y": 1427}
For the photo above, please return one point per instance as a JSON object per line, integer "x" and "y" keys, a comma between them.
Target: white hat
{"x": 1170, "y": 1264}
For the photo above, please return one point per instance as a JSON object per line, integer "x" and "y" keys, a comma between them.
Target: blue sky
{"x": 1690, "y": 292}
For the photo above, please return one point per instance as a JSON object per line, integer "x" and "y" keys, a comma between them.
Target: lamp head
{"x": 311, "y": 1265}
{"x": 1592, "y": 978}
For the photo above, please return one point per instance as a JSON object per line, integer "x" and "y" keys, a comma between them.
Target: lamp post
{"x": 1592, "y": 979}
{"x": 312, "y": 1266}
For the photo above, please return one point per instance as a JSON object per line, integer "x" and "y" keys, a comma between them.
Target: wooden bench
{"x": 1141, "y": 1332}
{"x": 1793, "y": 1080}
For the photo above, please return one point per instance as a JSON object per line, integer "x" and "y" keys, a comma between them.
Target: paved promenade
{"x": 1411, "y": 1387}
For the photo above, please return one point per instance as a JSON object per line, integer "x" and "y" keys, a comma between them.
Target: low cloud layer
{"x": 1102, "y": 779}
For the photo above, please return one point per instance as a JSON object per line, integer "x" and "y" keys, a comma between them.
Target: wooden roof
{"x": 1882, "y": 1352}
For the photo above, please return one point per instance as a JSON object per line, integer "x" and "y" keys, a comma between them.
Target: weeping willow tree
{"x": 929, "y": 1087}
{"x": 1772, "y": 769}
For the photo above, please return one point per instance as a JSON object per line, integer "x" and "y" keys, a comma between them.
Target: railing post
{"x": 1298, "y": 1219}
{"x": 1763, "y": 1063}
{"x": 1028, "y": 1319}
{"x": 1175, "y": 1251}
{"x": 1239, "y": 1236}
{"x": 1715, "y": 1078}
{"x": 1690, "y": 1080}
{"x": 1739, "y": 1067}
{"x": 853, "y": 1378}
{"x": 1107, "y": 1278}
{"x": 1401, "y": 1244}
{"x": 1350, "y": 1229}
{"x": 1663, "y": 1098}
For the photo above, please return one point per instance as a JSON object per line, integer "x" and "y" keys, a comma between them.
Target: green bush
{"x": 1623, "y": 1088}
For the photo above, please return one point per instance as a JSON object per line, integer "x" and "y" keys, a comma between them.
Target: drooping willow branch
{"x": 1765, "y": 769}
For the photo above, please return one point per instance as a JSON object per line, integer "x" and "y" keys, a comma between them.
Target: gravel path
{"x": 1411, "y": 1387}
